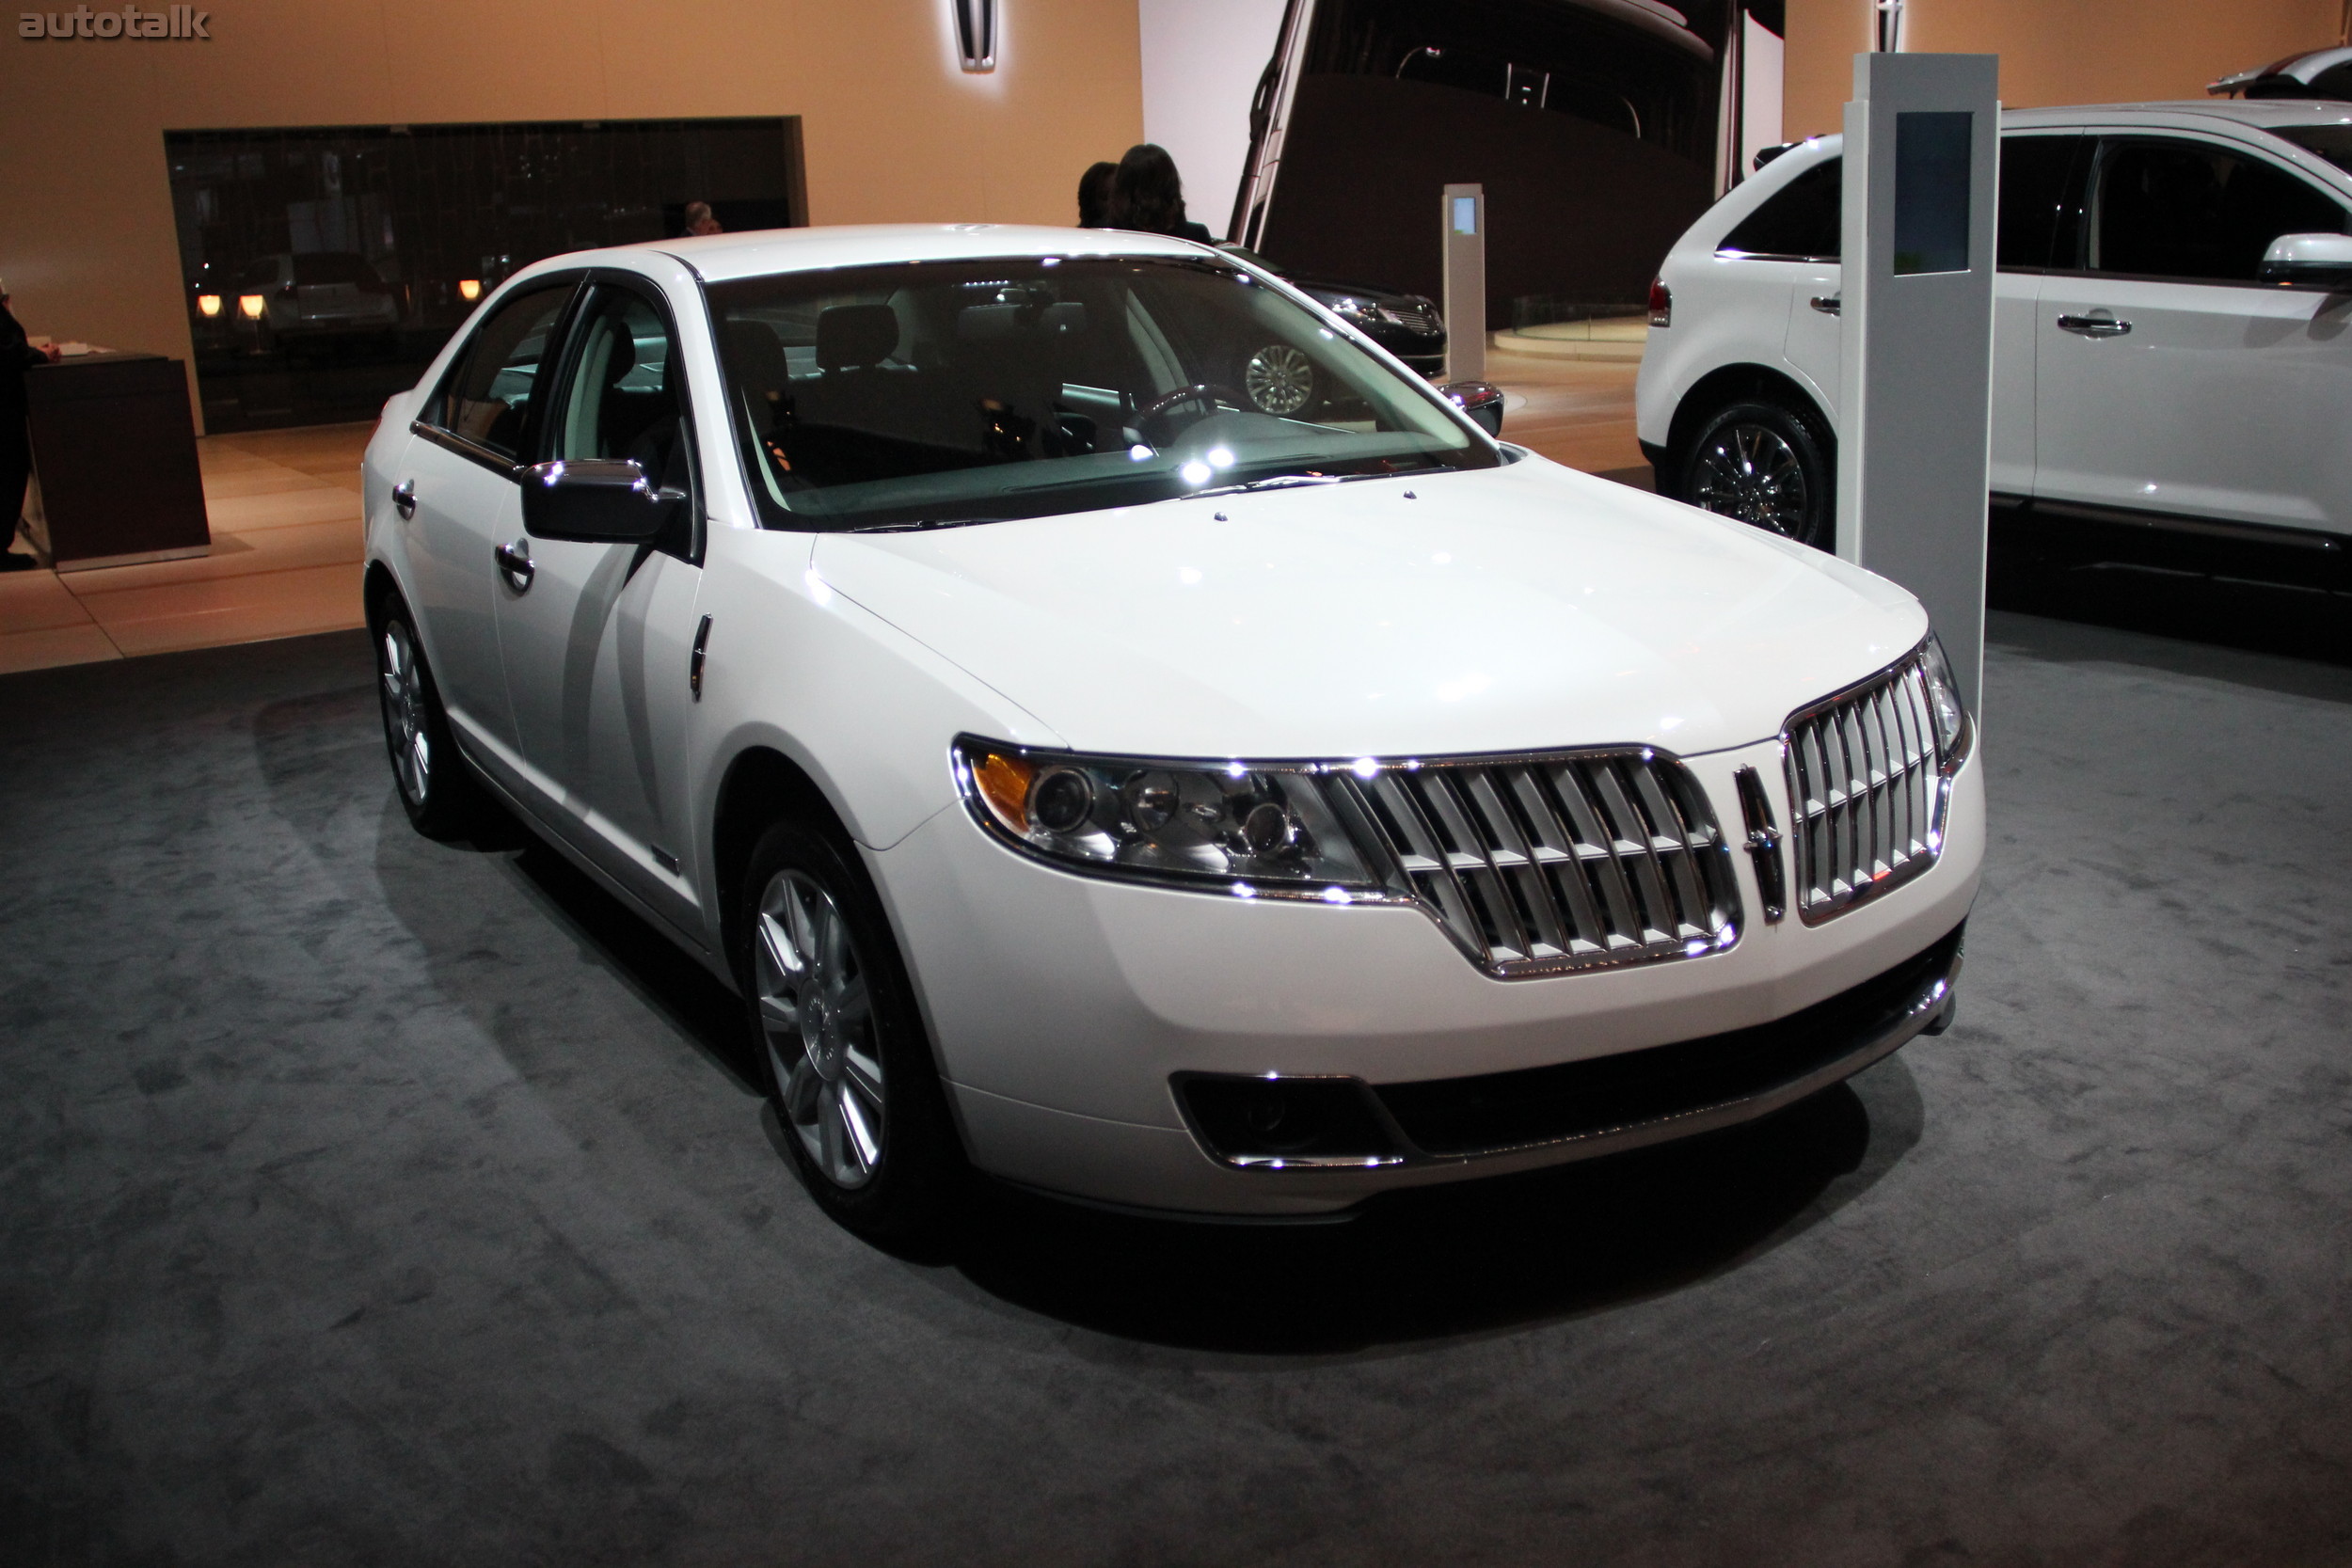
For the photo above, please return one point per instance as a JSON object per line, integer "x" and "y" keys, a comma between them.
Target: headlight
{"x": 1945, "y": 708}
{"x": 1351, "y": 309}
{"x": 1261, "y": 828}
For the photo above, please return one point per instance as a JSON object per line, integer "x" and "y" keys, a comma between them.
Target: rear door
{"x": 460, "y": 474}
{"x": 2172, "y": 381}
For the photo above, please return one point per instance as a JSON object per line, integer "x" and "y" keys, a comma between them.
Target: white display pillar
{"x": 1914, "y": 405}
{"x": 1463, "y": 215}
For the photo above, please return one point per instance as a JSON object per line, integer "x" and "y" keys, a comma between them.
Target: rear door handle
{"x": 405, "y": 499}
{"x": 2099, "y": 323}
{"x": 514, "y": 563}
{"x": 1829, "y": 305}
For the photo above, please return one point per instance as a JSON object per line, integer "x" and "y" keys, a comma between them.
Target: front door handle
{"x": 516, "y": 565}
{"x": 1829, "y": 305}
{"x": 2099, "y": 323}
{"x": 405, "y": 499}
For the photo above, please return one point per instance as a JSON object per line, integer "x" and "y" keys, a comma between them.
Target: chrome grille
{"x": 1867, "y": 791}
{"x": 1540, "y": 864}
{"x": 1419, "y": 318}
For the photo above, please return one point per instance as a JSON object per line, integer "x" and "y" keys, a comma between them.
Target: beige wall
{"x": 2055, "y": 51}
{"x": 892, "y": 130}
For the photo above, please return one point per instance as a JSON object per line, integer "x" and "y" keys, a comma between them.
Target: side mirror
{"x": 596, "y": 500}
{"x": 2323, "y": 261}
{"x": 1482, "y": 401}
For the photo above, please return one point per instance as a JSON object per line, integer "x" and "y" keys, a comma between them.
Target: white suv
{"x": 2169, "y": 326}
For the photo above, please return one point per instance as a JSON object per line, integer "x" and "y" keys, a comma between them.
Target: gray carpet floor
{"x": 369, "y": 1200}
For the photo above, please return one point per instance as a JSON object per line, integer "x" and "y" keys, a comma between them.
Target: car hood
{"x": 1518, "y": 609}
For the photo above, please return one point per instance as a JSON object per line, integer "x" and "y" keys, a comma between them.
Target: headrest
{"x": 622, "y": 355}
{"x": 851, "y": 335}
{"x": 755, "y": 357}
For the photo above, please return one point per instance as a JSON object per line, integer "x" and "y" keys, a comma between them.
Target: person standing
{"x": 699, "y": 221}
{"x": 1147, "y": 194}
{"x": 17, "y": 355}
{"x": 1094, "y": 196}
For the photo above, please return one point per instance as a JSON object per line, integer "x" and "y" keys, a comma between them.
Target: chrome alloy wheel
{"x": 1280, "y": 379}
{"x": 1750, "y": 472}
{"x": 817, "y": 1015}
{"x": 406, "y": 713}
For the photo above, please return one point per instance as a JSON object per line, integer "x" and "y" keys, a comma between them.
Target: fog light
{"x": 1269, "y": 1122}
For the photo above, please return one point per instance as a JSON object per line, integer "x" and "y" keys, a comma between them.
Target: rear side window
{"x": 490, "y": 389}
{"x": 1798, "y": 223}
{"x": 2041, "y": 223}
{"x": 2194, "y": 211}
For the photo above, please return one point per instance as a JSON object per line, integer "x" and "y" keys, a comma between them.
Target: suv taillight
{"x": 1662, "y": 303}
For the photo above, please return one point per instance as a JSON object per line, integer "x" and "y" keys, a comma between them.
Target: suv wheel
{"x": 841, "y": 1050}
{"x": 1764, "y": 463}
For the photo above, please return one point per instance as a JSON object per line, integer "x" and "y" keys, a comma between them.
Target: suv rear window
{"x": 1800, "y": 223}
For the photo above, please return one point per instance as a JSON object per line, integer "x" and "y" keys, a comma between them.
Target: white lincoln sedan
{"x": 1090, "y": 779}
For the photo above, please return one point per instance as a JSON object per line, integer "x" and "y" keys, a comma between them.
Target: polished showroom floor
{"x": 284, "y": 506}
{"x": 369, "y": 1200}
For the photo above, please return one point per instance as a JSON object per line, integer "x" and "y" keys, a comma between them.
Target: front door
{"x": 2172, "y": 381}
{"x": 459, "y": 475}
{"x": 598, "y": 639}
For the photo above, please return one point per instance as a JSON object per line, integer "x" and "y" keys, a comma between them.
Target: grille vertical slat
{"x": 1866, "y": 790}
{"x": 1554, "y": 864}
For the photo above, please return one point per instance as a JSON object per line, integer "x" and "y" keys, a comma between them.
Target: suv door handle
{"x": 1829, "y": 305}
{"x": 405, "y": 499}
{"x": 514, "y": 563}
{"x": 2099, "y": 323}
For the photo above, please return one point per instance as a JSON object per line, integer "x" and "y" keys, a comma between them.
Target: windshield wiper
{"x": 1285, "y": 482}
{"x": 922, "y": 525}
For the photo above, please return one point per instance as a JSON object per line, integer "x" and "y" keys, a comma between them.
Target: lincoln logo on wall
{"x": 172, "y": 21}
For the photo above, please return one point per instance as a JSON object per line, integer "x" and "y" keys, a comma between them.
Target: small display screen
{"x": 1931, "y": 153}
{"x": 1466, "y": 215}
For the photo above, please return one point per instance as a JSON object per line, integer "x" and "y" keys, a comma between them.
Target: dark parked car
{"x": 1279, "y": 381}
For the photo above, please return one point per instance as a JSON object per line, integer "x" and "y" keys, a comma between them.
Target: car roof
{"x": 2261, "y": 114}
{"x": 720, "y": 258}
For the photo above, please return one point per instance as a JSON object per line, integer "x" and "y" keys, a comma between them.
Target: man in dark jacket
{"x": 16, "y": 447}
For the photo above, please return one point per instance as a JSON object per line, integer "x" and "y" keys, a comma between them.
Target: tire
{"x": 437, "y": 786}
{"x": 839, "y": 1043}
{"x": 1282, "y": 380}
{"x": 1764, "y": 463}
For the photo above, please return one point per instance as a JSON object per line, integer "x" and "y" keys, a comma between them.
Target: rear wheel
{"x": 436, "y": 788}
{"x": 1765, "y": 464}
{"x": 842, "y": 1052}
{"x": 1281, "y": 380}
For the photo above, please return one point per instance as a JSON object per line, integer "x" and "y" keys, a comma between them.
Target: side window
{"x": 622, "y": 401}
{"x": 489, "y": 387}
{"x": 2041, "y": 222}
{"x": 2189, "y": 209}
{"x": 1800, "y": 222}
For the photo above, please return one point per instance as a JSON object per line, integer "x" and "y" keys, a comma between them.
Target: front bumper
{"x": 1063, "y": 1006}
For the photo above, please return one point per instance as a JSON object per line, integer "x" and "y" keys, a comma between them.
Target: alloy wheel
{"x": 1751, "y": 472}
{"x": 817, "y": 1016}
{"x": 1280, "y": 379}
{"x": 406, "y": 712}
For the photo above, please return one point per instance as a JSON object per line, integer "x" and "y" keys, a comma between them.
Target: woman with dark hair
{"x": 1148, "y": 194}
{"x": 1094, "y": 196}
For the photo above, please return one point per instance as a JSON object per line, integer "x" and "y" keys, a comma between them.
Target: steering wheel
{"x": 1206, "y": 393}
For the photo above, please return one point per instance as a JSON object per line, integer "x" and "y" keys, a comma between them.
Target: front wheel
{"x": 1281, "y": 380}
{"x": 1766, "y": 465}
{"x": 842, "y": 1052}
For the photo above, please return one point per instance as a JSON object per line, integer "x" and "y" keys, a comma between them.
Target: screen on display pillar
{"x": 324, "y": 268}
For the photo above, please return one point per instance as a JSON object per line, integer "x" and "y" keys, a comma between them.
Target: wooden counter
{"x": 114, "y": 462}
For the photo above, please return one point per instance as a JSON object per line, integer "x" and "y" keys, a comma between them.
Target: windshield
{"x": 2332, "y": 141}
{"x": 965, "y": 391}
